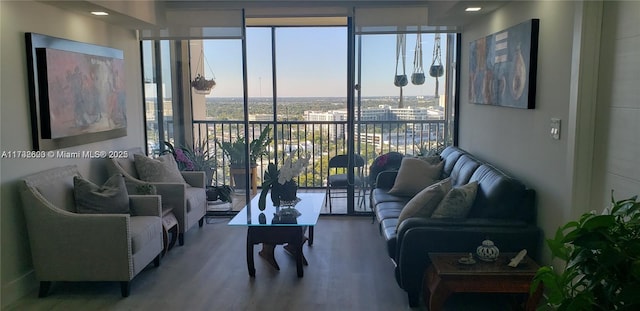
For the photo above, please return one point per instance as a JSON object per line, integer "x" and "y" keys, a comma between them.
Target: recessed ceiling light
{"x": 100, "y": 13}
{"x": 473, "y": 9}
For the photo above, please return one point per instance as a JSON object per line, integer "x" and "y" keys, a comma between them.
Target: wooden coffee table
{"x": 261, "y": 227}
{"x": 446, "y": 276}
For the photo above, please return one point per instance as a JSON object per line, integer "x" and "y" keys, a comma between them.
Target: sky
{"x": 312, "y": 62}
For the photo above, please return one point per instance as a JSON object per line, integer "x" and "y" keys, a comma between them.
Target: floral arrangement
{"x": 281, "y": 181}
{"x": 192, "y": 159}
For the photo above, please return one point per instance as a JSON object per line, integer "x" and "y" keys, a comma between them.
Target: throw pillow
{"x": 162, "y": 169}
{"x": 457, "y": 203}
{"x": 110, "y": 198}
{"x": 414, "y": 175}
{"x": 426, "y": 201}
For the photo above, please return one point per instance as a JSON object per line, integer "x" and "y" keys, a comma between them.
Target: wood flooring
{"x": 348, "y": 270}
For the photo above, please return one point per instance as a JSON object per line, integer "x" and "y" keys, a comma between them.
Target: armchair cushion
{"x": 195, "y": 197}
{"x": 414, "y": 175}
{"x": 164, "y": 169}
{"x": 144, "y": 229}
{"x": 110, "y": 198}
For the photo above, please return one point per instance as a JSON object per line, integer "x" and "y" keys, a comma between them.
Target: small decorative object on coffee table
{"x": 488, "y": 251}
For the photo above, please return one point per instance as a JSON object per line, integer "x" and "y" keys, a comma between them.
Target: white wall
{"x": 617, "y": 139}
{"x": 518, "y": 140}
{"x": 599, "y": 148}
{"x": 18, "y": 17}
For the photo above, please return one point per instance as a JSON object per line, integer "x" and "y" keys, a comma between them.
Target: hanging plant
{"x": 436, "y": 70}
{"x": 418, "y": 77}
{"x": 401, "y": 51}
{"x": 200, "y": 84}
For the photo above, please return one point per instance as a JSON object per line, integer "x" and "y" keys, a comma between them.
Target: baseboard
{"x": 18, "y": 288}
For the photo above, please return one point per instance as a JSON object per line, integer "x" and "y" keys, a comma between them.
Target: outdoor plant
{"x": 601, "y": 255}
{"x": 235, "y": 150}
{"x": 193, "y": 158}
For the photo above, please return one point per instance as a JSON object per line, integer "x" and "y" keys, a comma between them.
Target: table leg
{"x": 250, "y": 264}
{"x": 299, "y": 260}
{"x": 311, "y": 235}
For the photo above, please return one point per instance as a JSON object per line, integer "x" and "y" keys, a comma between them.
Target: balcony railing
{"x": 321, "y": 141}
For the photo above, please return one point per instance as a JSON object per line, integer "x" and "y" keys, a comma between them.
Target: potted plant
{"x": 199, "y": 159}
{"x": 281, "y": 182}
{"x": 235, "y": 152}
{"x": 601, "y": 256}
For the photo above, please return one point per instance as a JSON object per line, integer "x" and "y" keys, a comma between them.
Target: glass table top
{"x": 308, "y": 207}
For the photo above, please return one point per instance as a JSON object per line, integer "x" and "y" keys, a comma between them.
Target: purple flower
{"x": 182, "y": 158}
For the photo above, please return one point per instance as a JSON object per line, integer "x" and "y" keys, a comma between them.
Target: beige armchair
{"x": 188, "y": 202}
{"x": 68, "y": 246}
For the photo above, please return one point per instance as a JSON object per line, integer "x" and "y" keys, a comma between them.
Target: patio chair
{"x": 337, "y": 182}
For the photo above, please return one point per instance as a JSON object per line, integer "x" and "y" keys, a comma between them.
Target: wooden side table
{"x": 169, "y": 226}
{"x": 446, "y": 276}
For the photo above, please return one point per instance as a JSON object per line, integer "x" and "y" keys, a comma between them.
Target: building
{"x": 588, "y": 71}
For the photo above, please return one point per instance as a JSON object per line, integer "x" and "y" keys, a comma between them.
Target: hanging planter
{"x": 202, "y": 85}
{"x": 401, "y": 51}
{"x": 418, "y": 77}
{"x": 436, "y": 70}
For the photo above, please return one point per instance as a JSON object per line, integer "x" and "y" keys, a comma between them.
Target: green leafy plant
{"x": 601, "y": 255}
{"x": 191, "y": 158}
{"x": 235, "y": 150}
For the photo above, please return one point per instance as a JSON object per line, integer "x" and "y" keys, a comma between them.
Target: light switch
{"x": 555, "y": 128}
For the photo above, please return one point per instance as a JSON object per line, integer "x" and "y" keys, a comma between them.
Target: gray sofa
{"x": 68, "y": 246}
{"x": 503, "y": 210}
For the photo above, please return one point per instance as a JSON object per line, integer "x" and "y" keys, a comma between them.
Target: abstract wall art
{"x": 502, "y": 67}
{"x": 77, "y": 92}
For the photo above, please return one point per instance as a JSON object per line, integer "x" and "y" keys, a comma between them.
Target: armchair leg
{"x": 201, "y": 222}
{"x": 125, "y": 288}
{"x": 44, "y": 289}
{"x": 181, "y": 239}
{"x": 156, "y": 261}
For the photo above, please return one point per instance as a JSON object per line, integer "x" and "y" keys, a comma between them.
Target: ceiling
{"x": 142, "y": 14}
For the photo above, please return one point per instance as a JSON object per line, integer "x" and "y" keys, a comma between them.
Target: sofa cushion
{"x": 450, "y": 156}
{"x": 143, "y": 230}
{"x": 425, "y": 202}
{"x": 386, "y": 210}
{"x": 110, "y": 198}
{"x": 463, "y": 169}
{"x": 414, "y": 175}
{"x": 388, "y": 231}
{"x": 163, "y": 169}
{"x": 381, "y": 195}
{"x": 457, "y": 203}
{"x": 499, "y": 196}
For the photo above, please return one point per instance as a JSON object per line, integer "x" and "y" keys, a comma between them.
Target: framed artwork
{"x": 502, "y": 67}
{"x": 77, "y": 92}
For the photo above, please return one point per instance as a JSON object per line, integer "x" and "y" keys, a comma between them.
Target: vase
{"x": 285, "y": 194}
{"x": 488, "y": 251}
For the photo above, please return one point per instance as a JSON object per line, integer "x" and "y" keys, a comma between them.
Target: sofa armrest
{"x": 145, "y": 205}
{"x": 418, "y": 237}
{"x": 386, "y": 179}
{"x": 195, "y": 178}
